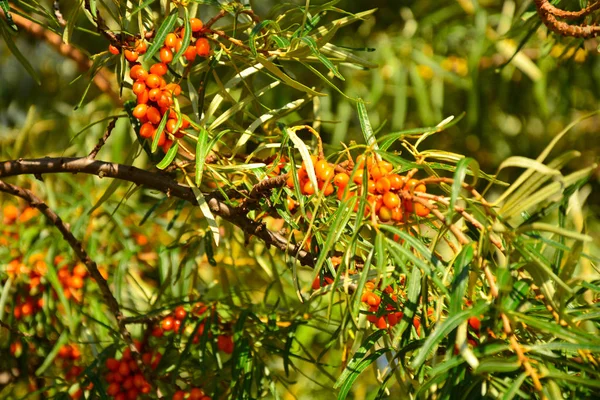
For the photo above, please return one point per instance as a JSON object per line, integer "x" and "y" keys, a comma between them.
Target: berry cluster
{"x": 383, "y": 187}
{"x": 171, "y": 322}
{"x": 72, "y": 279}
{"x": 29, "y": 300}
{"x": 388, "y": 317}
{"x": 155, "y": 97}
{"x": 192, "y": 394}
{"x": 67, "y": 358}
{"x": 125, "y": 381}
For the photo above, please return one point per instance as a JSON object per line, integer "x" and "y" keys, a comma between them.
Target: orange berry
{"x": 132, "y": 394}
{"x": 170, "y": 40}
{"x": 308, "y": 188}
{"x": 127, "y": 383}
{"x": 178, "y": 44}
{"x": 164, "y": 100}
{"x": 385, "y": 214}
{"x": 153, "y": 115}
{"x": 113, "y": 389}
{"x": 413, "y": 185}
{"x": 179, "y": 395}
{"x": 173, "y": 88}
{"x": 140, "y": 110}
{"x": 328, "y": 189}
{"x": 475, "y": 323}
{"x": 358, "y": 177}
{"x": 171, "y": 124}
{"x": 225, "y": 344}
{"x": 396, "y": 181}
{"x": 373, "y": 300}
{"x": 168, "y": 323}
{"x": 142, "y": 98}
{"x": 138, "y": 87}
{"x": 190, "y": 53}
{"x": 162, "y": 138}
{"x": 196, "y": 394}
{"x": 153, "y": 81}
{"x": 408, "y": 206}
{"x": 166, "y": 55}
{"x": 385, "y": 167}
{"x": 180, "y": 313}
{"x": 391, "y": 200}
{"x": 76, "y": 282}
{"x": 141, "y": 47}
{"x": 159, "y": 69}
{"x": 341, "y": 180}
{"x": 147, "y": 130}
{"x": 397, "y": 214}
{"x": 202, "y": 47}
{"x": 195, "y": 24}
{"x": 154, "y": 93}
{"x": 290, "y": 181}
{"x": 124, "y": 369}
{"x": 381, "y": 323}
{"x": 138, "y": 73}
{"x": 371, "y": 186}
{"x": 421, "y": 210}
{"x": 27, "y": 309}
{"x": 290, "y": 203}
{"x": 131, "y": 56}
{"x": 383, "y": 185}
{"x": 113, "y": 49}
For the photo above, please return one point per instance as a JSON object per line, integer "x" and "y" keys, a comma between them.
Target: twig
{"x": 214, "y": 19}
{"x": 14, "y": 330}
{"x": 549, "y": 15}
{"x": 58, "y": 14}
{"x": 157, "y": 181}
{"x": 92, "y": 268}
{"x": 103, "y": 139}
{"x": 548, "y": 7}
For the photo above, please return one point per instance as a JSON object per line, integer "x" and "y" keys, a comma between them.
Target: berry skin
{"x": 203, "y": 47}
{"x": 180, "y": 313}
{"x": 138, "y": 73}
{"x": 421, "y": 210}
{"x": 385, "y": 214}
{"x": 391, "y": 200}
{"x": 138, "y": 87}
{"x": 140, "y": 111}
{"x": 396, "y": 181}
{"x": 166, "y": 55}
{"x": 143, "y": 97}
{"x": 171, "y": 124}
{"x": 308, "y": 188}
{"x": 190, "y": 53}
{"x": 131, "y": 56}
{"x": 113, "y": 389}
{"x": 113, "y": 50}
{"x": 195, "y": 24}
{"x": 153, "y": 81}
{"x": 153, "y": 114}
{"x": 112, "y": 364}
{"x": 168, "y": 323}
{"x": 170, "y": 40}
{"x": 179, "y": 395}
{"x": 147, "y": 130}
{"x": 383, "y": 185}
{"x": 178, "y": 44}
{"x": 154, "y": 93}
{"x": 381, "y": 323}
{"x": 159, "y": 69}
{"x": 341, "y": 180}
{"x": 413, "y": 185}
{"x": 141, "y": 47}
{"x": 475, "y": 323}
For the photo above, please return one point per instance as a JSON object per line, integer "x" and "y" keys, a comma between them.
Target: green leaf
{"x": 210, "y": 218}
{"x": 461, "y": 277}
{"x": 359, "y": 368}
{"x": 443, "y": 329}
{"x": 161, "y": 34}
{"x": 312, "y": 45}
{"x": 459, "y": 178}
{"x": 186, "y": 36}
{"x": 272, "y": 68}
{"x": 17, "y": 53}
{"x": 159, "y": 131}
{"x": 6, "y": 8}
{"x": 365, "y": 124}
{"x": 359, "y": 355}
{"x": 169, "y": 157}
{"x": 202, "y": 150}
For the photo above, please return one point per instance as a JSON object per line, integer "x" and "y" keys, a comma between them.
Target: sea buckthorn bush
{"x": 199, "y": 229}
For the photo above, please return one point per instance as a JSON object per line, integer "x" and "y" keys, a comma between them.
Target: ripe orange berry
{"x": 138, "y": 87}
{"x": 413, "y": 185}
{"x": 159, "y": 69}
{"x": 371, "y": 186}
{"x": 131, "y": 56}
{"x": 179, "y": 395}
{"x": 170, "y": 40}
{"x": 190, "y": 53}
{"x": 196, "y": 394}
{"x": 475, "y": 323}
{"x": 178, "y": 44}
{"x": 124, "y": 369}
{"x": 168, "y": 323}
{"x": 138, "y": 73}
{"x": 308, "y": 188}
{"x": 385, "y": 167}
{"x": 153, "y": 81}
{"x": 195, "y": 24}
{"x": 358, "y": 177}
{"x": 391, "y": 200}
{"x": 381, "y": 323}
{"x": 396, "y": 181}
{"x": 140, "y": 110}
{"x": 171, "y": 124}
{"x": 75, "y": 281}
{"x": 153, "y": 115}
{"x": 341, "y": 180}
{"x": 328, "y": 189}
{"x": 173, "y": 88}
{"x": 142, "y": 97}
{"x": 290, "y": 181}
{"x": 113, "y": 389}
{"x": 397, "y": 214}
{"x": 421, "y": 210}
{"x": 162, "y": 138}
{"x": 166, "y": 55}
{"x": 164, "y": 100}
{"x": 383, "y": 185}
{"x": 154, "y": 93}
{"x": 141, "y": 46}
{"x": 180, "y": 313}
{"x": 113, "y": 49}
{"x": 202, "y": 47}
{"x": 385, "y": 214}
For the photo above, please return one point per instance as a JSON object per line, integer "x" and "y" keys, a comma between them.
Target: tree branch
{"x": 549, "y": 14}
{"x": 157, "y": 181}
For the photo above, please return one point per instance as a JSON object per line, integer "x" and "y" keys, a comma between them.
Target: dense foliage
{"x": 279, "y": 205}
